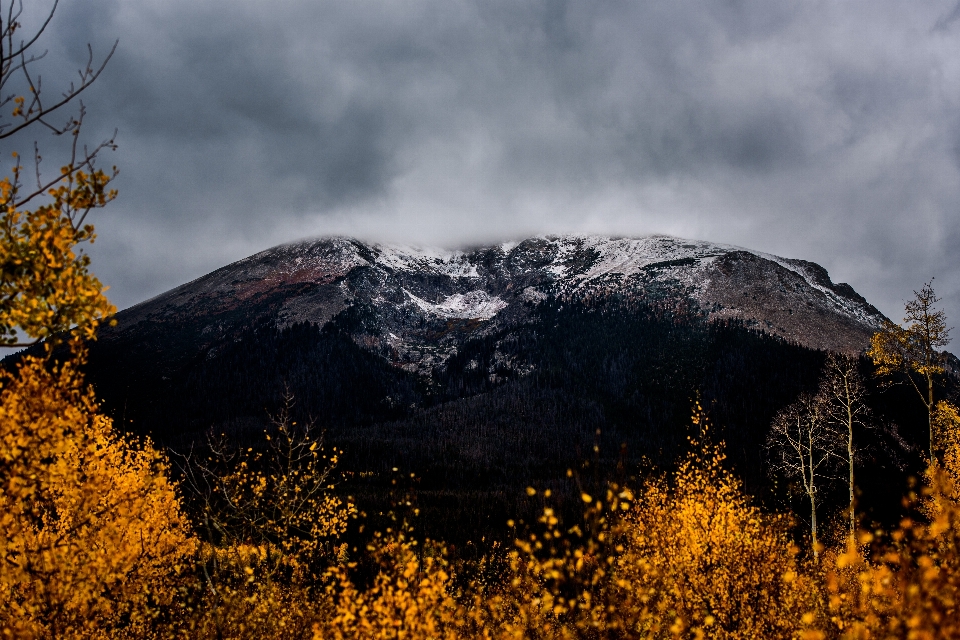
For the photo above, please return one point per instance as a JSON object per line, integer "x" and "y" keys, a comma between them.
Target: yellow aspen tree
{"x": 46, "y": 287}
{"x": 561, "y": 581}
{"x": 91, "y": 533}
{"x": 269, "y": 523}
{"x": 946, "y": 424}
{"x": 713, "y": 565}
{"x": 270, "y": 507}
{"x": 914, "y": 349}
{"x": 410, "y": 597}
{"x": 685, "y": 556}
{"x": 45, "y": 283}
{"x": 92, "y": 539}
{"x": 905, "y": 583}
{"x": 908, "y": 583}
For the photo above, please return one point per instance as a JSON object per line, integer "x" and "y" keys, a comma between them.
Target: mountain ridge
{"x": 407, "y": 286}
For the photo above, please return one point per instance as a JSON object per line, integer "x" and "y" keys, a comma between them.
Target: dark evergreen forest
{"x": 603, "y": 389}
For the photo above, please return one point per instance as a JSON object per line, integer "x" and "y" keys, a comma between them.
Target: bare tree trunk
{"x": 804, "y": 445}
{"x": 812, "y": 492}
{"x": 842, "y": 392}
{"x": 813, "y": 523}
{"x": 930, "y": 412}
{"x": 849, "y": 408}
{"x": 853, "y": 517}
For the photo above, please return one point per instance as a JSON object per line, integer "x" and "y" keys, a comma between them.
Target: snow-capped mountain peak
{"x": 415, "y": 305}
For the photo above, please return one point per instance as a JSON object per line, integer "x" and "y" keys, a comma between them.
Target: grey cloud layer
{"x": 822, "y": 130}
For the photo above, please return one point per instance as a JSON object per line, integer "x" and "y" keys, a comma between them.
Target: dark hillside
{"x": 618, "y": 375}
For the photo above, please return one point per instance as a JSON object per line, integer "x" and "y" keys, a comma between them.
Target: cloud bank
{"x": 828, "y": 131}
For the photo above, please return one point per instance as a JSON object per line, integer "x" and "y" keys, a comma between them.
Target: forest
{"x": 656, "y": 476}
{"x": 105, "y": 536}
{"x": 614, "y": 374}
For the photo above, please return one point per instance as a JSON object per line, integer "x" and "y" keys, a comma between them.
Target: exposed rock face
{"x": 413, "y": 306}
{"x": 792, "y": 299}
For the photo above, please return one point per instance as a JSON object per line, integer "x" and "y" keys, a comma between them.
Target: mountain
{"x": 482, "y": 370}
{"x": 417, "y": 304}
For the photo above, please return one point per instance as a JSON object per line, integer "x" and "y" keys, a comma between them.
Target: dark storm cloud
{"x": 821, "y": 130}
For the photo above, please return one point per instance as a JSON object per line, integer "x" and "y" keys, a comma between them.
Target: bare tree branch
{"x": 805, "y": 448}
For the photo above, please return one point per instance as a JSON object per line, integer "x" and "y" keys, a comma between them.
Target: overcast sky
{"x": 828, "y": 131}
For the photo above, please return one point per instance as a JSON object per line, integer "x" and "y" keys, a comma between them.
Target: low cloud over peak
{"x": 827, "y": 131}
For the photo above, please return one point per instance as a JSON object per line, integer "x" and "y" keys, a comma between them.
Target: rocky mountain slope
{"x": 413, "y": 306}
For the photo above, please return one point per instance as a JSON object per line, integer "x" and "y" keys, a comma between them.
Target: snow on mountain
{"x": 455, "y": 264}
{"x": 415, "y": 305}
{"x": 476, "y": 305}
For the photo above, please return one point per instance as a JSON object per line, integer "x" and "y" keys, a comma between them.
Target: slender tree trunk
{"x": 930, "y": 412}
{"x": 853, "y": 518}
{"x": 812, "y": 492}
{"x": 848, "y": 401}
{"x": 813, "y": 521}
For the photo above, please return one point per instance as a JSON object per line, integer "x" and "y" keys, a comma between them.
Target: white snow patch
{"x": 629, "y": 256}
{"x": 441, "y": 261}
{"x": 475, "y": 305}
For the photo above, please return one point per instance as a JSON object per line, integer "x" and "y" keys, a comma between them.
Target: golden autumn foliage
{"x": 410, "y": 597}
{"x": 946, "y": 427}
{"x": 46, "y": 286}
{"x": 92, "y": 538}
{"x": 269, "y": 526}
{"x": 95, "y": 543}
{"x": 91, "y": 532}
{"x": 248, "y": 608}
{"x": 96, "y": 546}
{"x": 685, "y": 556}
{"x": 712, "y": 564}
{"x": 45, "y": 283}
{"x": 906, "y": 583}
{"x": 272, "y": 504}
{"x": 914, "y": 349}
